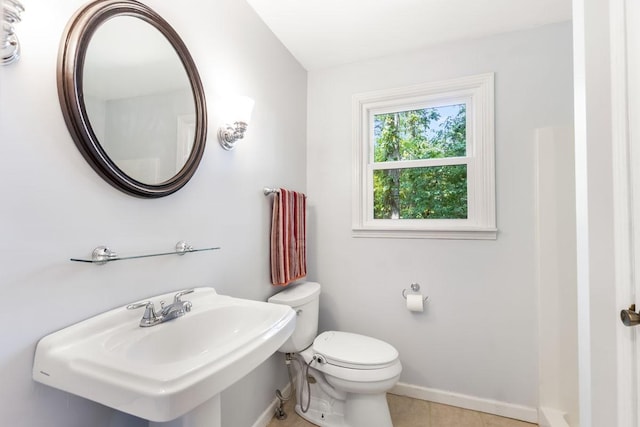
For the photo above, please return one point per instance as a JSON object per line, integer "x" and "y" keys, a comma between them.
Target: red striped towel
{"x": 288, "y": 237}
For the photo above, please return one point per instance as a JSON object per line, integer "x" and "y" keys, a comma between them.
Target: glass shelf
{"x": 103, "y": 255}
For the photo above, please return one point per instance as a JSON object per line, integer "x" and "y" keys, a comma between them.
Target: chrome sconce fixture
{"x": 9, "y": 44}
{"x": 240, "y": 110}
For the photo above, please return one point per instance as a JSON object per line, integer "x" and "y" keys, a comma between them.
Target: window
{"x": 424, "y": 161}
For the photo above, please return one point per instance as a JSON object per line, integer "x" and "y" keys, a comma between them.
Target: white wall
{"x": 478, "y": 334}
{"x": 54, "y": 206}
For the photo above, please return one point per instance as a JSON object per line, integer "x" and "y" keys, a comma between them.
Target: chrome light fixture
{"x": 240, "y": 110}
{"x": 9, "y": 44}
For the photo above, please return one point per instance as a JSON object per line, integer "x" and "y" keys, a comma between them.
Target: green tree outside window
{"x": 436, "y": 192}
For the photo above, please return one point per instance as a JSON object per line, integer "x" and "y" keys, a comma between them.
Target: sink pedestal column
{"x": 205, "y": 415}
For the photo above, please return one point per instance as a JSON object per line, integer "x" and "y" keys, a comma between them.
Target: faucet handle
{"x": 180, "y": 294}
{"x": 148, "y": 304}
{"x": 149, "y": 318}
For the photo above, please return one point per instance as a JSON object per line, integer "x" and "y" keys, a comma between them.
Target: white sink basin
{"x": 162, "y": 372}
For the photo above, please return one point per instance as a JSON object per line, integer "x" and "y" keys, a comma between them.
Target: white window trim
{"x": 478, "y": 93}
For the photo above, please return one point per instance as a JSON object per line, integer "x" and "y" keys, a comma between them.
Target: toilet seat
{"x": 354, "y": 351}
{"x": 350, "y": 374}
{"x": 353, "y": 357}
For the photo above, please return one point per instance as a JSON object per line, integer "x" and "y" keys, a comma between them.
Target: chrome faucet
{"x": 176, "y": 309}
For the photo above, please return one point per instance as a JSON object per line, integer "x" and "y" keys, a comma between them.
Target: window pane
{"x": 420, "y": 193}
{"x": 427, "y": 133}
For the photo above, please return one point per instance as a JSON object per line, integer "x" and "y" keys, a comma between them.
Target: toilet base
{"x": 326, "y": 417}
{"x": 337, "y": 402}
{"x": 358, "y": 410}
{"x": 323, "y": 410}
{"x": 367, "y": 410}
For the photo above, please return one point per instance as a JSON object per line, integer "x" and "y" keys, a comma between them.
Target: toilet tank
{"x": 304, "y": 299}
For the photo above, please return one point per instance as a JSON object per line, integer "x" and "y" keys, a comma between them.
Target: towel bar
{"x": 268, "y": 190}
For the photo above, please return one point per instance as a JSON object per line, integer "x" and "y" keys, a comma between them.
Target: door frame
{"x": 604, "y": 214}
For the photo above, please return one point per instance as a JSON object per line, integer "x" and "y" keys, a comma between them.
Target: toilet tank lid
{"x": 354, "y": 351}
{"x": 297, "y": 295}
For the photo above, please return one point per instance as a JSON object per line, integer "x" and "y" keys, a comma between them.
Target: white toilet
{"x": 350, "y": 373}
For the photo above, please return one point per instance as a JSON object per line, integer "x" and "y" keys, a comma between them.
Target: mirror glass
{"x": 138, "y": 99}
{"x": 131, "y": 97}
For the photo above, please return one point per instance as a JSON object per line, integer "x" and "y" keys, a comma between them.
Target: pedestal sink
{"x": 172, "y": 373}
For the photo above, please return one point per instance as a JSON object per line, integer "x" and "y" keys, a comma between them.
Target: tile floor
{"x": 408, "y": 412}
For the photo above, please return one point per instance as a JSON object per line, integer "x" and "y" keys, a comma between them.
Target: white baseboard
{"x": 268, "y": 413}
{"x": 548, "y": 417}
{"x": 495, "y": 407}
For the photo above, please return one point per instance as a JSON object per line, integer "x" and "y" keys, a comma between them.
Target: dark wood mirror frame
{"x": 70, "y": 77}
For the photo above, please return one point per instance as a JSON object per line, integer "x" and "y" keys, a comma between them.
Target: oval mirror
{"x": 132, "y": 97}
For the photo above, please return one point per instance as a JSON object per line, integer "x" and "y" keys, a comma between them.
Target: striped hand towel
{"x": 288, "y": 237}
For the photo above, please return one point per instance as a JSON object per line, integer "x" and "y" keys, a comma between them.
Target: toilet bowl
{"x": 342, "y": 377}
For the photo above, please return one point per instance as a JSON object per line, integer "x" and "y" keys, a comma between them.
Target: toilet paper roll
{"x": 415, "y": 302}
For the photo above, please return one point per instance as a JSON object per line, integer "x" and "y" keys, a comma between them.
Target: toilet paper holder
{"x": 415, "y": 287}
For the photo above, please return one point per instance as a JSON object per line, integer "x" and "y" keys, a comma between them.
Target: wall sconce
{"x": 9, "y": 44}
{"x": 240, "y": 112}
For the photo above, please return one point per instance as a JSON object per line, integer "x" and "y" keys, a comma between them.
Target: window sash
{"x": 420, "y": 223}
{"x": 399, "y": 107}
{"x": 372, "y": 165}
{"x": 426, "y": 163}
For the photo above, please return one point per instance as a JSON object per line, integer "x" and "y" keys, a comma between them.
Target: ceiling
{"x": 325, "y": 33}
